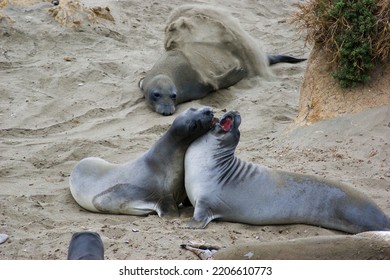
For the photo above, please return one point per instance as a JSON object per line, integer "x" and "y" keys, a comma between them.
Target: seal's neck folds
{"x": 206, "y": 156}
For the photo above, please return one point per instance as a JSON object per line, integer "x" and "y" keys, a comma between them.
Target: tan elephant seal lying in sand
{"x": 363, "y": 246}
{"x": 206, "y": 50}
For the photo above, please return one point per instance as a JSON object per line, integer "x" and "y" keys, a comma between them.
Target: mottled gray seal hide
{"x": 222, "y": 186}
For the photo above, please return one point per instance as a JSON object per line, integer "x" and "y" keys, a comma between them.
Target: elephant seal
{"x": 86, "y": 245}
{"x": 222, "y": 186}
{"x": 154, "y": 182}
{"x": 173, "y": 80}
{"x": 206, "y": 50}
{"x": 370, "y": 245}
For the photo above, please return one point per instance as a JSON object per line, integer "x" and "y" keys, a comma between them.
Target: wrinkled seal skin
{"x": 222, "y": 186}
{"x": 86, "y": 245}
{"x": 154, "y": 182}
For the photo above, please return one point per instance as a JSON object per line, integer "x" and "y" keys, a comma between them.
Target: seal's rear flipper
{"x": 167, "y": 207}
{"x": 86, "y": 245}
{"x": 273, "y": 59}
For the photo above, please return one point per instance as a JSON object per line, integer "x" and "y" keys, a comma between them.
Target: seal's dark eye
{"x": 173, "y": 96}
{"x": 156, "y": 95}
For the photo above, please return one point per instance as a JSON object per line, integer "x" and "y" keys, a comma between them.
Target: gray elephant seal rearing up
{"x": 154, "y": 182}
{"x": 206, "y": 50}
{"x": 222, "y": 186}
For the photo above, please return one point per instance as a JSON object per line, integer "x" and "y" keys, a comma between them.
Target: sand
{"x": 66, "y": 94}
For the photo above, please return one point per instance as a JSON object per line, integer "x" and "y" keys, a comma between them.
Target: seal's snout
{"x": 166, "y": 114}
{"x": 165, "y": 109}
{"x": 208, "y": 112}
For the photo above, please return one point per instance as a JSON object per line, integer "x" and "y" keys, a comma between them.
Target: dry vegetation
{"x": 355, "y": 34}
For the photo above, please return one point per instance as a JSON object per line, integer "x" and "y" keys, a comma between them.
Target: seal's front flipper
{"x": 166, "y": 207}
{"x": 194, "y": 224}
{"x": 273, "y": 59}
{"x": 201, "y": 218}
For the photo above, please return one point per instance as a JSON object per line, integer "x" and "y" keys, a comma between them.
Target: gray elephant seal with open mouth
{"x": 154, "y": 182}
{"x": 222, "y": 186}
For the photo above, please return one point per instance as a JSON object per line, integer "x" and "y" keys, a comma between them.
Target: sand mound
{"x": 321, "y": 96}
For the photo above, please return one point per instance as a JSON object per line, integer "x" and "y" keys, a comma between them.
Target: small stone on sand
{"x": 3, "y": 238}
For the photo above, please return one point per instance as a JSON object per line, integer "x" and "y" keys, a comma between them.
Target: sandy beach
{"x": 70, "y": 93}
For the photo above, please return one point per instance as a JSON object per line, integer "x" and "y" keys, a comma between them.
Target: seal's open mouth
{"x": 226, "y": 123}
{"x": 229, "y": 121}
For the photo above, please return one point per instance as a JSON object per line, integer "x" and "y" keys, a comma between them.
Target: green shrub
{"x": 354, "y": 32}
